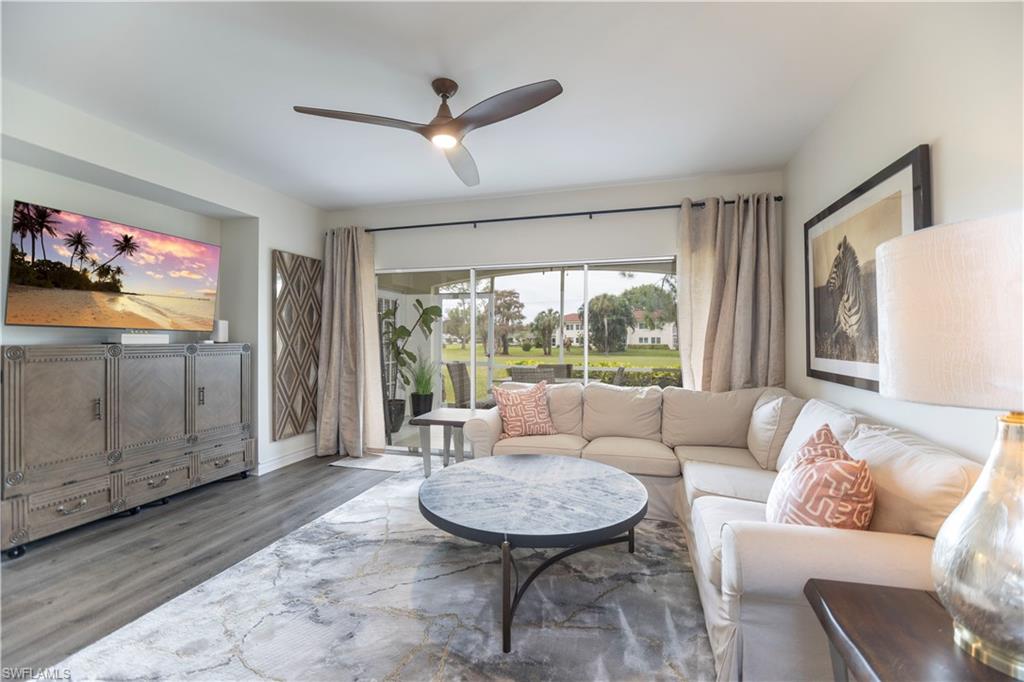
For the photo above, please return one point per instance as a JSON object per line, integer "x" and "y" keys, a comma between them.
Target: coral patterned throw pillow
{"x": 823, "y": 486}
{"x": 524, "y": 412}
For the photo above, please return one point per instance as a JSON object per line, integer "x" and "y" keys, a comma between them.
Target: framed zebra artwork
{"x": 839, "y": 267}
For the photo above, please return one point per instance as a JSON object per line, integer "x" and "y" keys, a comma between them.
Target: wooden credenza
{"x": 94, "y": 430}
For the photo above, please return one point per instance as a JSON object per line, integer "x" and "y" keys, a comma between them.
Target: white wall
{"x": 37, "y": 186}
{"x": 283, "y": 222}
{"x": 629, "y": 235}
{"x": 955, "y": 84}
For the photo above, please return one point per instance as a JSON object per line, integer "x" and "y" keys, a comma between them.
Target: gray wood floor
{"x": 76, "y": 587}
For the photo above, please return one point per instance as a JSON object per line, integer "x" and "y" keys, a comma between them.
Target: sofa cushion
{"x": 814, "y": 414}
{"x": 709, "y": 515}
{"x": 723, "y": 480}
{"x": 770, "y": 422}
{"x": 565, "y": 403}
{"x": 704, "y": 418}
{"x": 917, "y": 483}
{"x": 737, "y": 457}
{"x": 633, "y": 455}
{"x": 559, "y": 444}
{"x": 621, "y": 411}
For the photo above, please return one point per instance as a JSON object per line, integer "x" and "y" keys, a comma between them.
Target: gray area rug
{"x": 371, "y": 590}
{"x": 396, "y": 463}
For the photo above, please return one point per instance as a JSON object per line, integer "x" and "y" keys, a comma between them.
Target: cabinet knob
{"x": 98, "y": 409}
{"x": 202, "y": 395}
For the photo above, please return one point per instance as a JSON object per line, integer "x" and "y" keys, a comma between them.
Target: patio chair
{"x": 562, "y": 370}
{"x": 531, "y": 375}
{"x": 459, "y": 373}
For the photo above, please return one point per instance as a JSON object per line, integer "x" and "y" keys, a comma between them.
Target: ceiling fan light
{"x": 444, "y": 141}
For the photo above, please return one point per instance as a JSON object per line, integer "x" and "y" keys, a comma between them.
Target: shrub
{"x": 526, "y": 346}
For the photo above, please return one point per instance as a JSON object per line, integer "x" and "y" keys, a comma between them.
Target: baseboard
{"x": 284, "y": 459}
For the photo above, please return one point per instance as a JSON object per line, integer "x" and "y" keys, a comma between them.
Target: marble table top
{"x": 533, "y": 500}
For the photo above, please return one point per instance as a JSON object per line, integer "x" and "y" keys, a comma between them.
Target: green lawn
{"x": 647, "y": 358}
{"x": 630, "y": 358}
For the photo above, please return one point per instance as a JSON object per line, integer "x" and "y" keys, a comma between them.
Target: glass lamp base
{"x": 1007, "y": 662}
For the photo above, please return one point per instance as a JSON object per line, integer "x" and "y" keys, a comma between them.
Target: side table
{"x": 452, "y": 419}
{"x": 891, "y": 633}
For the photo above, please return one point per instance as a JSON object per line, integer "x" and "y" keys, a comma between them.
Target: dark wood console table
{"x": 891, "y": 633}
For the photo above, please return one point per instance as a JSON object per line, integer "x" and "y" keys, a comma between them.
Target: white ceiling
{"x": 651, "y": 90}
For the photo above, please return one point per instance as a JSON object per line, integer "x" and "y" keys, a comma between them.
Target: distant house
{"x": 574, "y": 328}
{"x": 661, "y": 335}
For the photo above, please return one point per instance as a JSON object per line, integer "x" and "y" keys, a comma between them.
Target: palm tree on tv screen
{"x": 125, "y": 244}
{"x": 42, "y": 224}
{"x": 79, "y": 244}
{"x": 22, "y": 224}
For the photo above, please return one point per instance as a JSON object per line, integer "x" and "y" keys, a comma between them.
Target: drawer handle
{"x": 218, "y": 463}
{"x": 97, "y": 409}
{"x": 202, "y": 395}
{"x": 153, "y": 483}
{"x": 77, "y": 508}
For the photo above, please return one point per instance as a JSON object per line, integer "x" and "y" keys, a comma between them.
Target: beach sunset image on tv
{"x": 70, "y": 270}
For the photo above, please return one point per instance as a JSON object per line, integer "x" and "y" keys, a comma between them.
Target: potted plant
{"x": 395, "y": 337}
{"x": 423, "y": 386}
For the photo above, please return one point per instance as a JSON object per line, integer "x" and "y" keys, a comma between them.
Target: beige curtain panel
{"x": 731, "y": 317}
{"x": 350, "y": 403}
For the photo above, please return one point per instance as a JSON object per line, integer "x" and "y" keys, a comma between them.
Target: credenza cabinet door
{"x": 222, "y": 384}
{"x": 57, "y": 413}
{"x": 152, "y": 399}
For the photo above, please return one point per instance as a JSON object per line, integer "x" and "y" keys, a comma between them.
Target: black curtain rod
{"x": 544, "y": 216}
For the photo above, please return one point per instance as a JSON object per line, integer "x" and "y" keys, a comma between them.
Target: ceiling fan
{"x": 446, "y": 131}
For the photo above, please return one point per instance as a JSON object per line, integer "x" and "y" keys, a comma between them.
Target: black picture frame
{"x": 919, "y": 161}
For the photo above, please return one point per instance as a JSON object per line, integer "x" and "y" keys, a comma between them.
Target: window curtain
{"x": 730, "y": 311}
{"x": 350, "y": 403}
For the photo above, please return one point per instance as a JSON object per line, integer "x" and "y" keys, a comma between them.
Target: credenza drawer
{"x": 148, "y": 483}
{"x": 224, "y": 461}
{"x": 52, "y": 511}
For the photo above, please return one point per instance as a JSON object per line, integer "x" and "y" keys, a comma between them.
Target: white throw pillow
{"x": 814, "y": 414}
{"x": 770, "y": 423}
{"x": 917, "y": 483}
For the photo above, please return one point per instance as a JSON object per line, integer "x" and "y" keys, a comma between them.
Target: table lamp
{"x": 951, "y": 311}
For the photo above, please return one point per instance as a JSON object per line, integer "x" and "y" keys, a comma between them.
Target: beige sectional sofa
{"x": 708, "y": 461}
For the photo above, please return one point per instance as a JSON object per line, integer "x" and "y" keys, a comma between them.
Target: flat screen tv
{"x": 72, "y": 270}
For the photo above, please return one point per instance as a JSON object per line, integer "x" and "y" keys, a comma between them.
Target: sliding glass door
{"x": 611, "y": 321}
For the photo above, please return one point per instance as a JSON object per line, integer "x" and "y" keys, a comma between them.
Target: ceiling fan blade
{"x": 362, "y": 118}
{"x": 507, "y": 104}
{"x": 463, "y": 164}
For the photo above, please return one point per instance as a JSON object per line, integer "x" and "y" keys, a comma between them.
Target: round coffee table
{"x": 534, "y": 501}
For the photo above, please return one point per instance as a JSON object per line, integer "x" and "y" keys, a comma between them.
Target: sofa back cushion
{"x": 917, "y": 483}
{"x": 704, "y": 418}
{"x": 770, "y": 422}
{"x": 813, "y": 415}
{"x": 565, "y": 403}
{"x": 621, "y": 411}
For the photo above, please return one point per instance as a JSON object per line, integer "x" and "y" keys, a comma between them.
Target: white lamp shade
{"x": 951, "y": 312}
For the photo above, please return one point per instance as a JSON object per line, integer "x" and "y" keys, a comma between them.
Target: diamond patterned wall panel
{"x": 296, "y": 352}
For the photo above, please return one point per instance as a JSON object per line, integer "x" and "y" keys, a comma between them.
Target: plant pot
{"x": 422, "y": 403}
{"x": 396, "y": 410}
